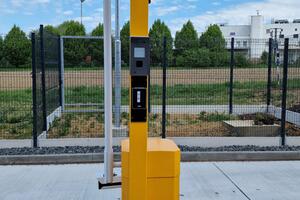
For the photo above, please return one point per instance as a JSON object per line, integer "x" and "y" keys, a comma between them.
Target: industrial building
{"x": 253, "y": 39}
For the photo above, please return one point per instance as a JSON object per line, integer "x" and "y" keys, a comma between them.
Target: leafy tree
{"x": 71, "y": 28}
{"x": 158, "y": 31}
{"x": 96, "y": 46}
{"x": 125, "y": 41}
{"x": 212, "y": 39}
{"x": 51, "y": 29}
{"x": 187, "y": 37}
{"x": 16, "y": 47}
{"x": 75, "y": 49}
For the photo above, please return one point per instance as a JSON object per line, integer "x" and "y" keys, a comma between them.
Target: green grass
{"x": 16, "y": 105}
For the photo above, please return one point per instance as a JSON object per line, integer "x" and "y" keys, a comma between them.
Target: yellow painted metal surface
{"x": 139, "y": 18}
{"x": 138, "y": 161}
{"x": 163, "y": 170}
{"x": 150, "y": 167}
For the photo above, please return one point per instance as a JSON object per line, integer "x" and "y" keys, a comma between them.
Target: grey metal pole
{"x": 62, "y": 72}
{"x": 284, "y": 91}
{"x": 231, "y": 77}
{"x": 108, "y": 152}
{"x": 117, "y": 66}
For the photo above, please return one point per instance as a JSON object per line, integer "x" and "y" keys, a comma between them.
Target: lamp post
{"x": 81, "y": 2}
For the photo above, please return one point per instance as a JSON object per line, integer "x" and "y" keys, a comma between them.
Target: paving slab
{"x": 204, "y": 181}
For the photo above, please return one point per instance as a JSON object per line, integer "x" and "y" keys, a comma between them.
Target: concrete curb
{"x": 185, "y": 157}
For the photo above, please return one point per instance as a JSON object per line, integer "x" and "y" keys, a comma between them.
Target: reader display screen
{"x": 139, "y": 52}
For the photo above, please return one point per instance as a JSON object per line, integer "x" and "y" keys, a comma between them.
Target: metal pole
{"x": 108, "y": 152}
{"x": 284, "y": 90}
{"x": 34, "y": 107}
{"x": 164, "y": 88}
{"x": 62, "y": 72}
{"x": 269, "y": 74}
{"x": 231, "y": 77}
{"x": 117, "y": 66}
{"x": 59, "y": 72}
{"x": 42, "y": 52}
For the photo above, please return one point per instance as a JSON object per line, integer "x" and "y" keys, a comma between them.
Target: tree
{"x": 96, "y": 47}
{"x": 71, "y": 28}
{"x": 125, "y": 41}
{"x": 158, "y": 31}
{"x": 75, "y": 49}
{"x": 51, "y": 29}
{"x": 212, "y": 39}
{"x": 16, "y": 47}
{"x": 187, "y": 37}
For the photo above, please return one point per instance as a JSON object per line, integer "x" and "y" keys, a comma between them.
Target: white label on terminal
{"x": 138, "y": 96}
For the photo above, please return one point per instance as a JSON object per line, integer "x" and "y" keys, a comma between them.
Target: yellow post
{"x": 150, "y": 167}
{"x": 138, "y": 130}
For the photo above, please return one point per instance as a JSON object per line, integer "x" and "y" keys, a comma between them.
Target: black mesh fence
{"x": 226, "y": 88}
{"x": 15, "y": 91}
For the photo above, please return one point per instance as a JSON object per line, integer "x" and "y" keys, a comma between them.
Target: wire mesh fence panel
{"x": 83, "y": 77}
{"x": 293, "y": 89}
{"x": 15, "y": 90}
{"x": 197, "y": 91}
{"x": 52, "y": 72}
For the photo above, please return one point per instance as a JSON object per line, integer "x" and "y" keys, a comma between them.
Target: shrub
{"x": 241, "y": 60}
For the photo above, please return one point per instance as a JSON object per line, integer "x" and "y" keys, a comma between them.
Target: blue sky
{"x": 28, "y": 14}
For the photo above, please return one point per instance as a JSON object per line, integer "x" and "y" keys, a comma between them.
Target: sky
{"x": 29, "y": 14}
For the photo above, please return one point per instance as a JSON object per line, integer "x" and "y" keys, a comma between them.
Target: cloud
{"x": 68, "y": 12}
{"x": 166, "y": 10}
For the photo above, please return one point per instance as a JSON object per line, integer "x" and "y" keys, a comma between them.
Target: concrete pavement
{"x": 199, "y": 181}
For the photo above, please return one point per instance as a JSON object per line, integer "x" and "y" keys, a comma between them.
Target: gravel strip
{"x": 97, "y": 149}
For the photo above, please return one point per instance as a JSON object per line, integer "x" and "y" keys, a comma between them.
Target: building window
{"x": 244, "y": 43}
{"x": 281, "y": 36}
{"x": 232, "y": 34}
{"x": 238, "y": 43}
{"x": 296, "y": 35}
{"x": 296, "y": 29}
{"x": 268, "y": 31}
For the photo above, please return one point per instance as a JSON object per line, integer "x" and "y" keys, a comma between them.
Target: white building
{"x": 253, "y": 38}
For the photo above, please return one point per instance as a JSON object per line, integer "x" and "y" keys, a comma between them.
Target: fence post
{"x": 59, "y": 71}
{"x": 164, "y": 96}
{"x": 284, "y": 90}
{"x": 62, "y": 74}
{"x": 34, "y": 107}
{"x": 42, "y": 52}
{"x": 231, "y": 77}
{"x": 269, "y": 84}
